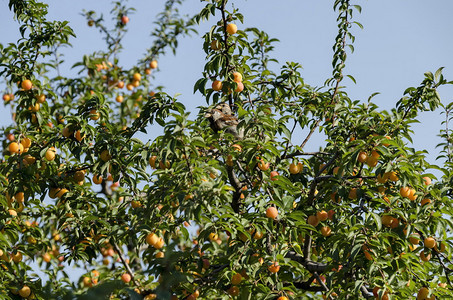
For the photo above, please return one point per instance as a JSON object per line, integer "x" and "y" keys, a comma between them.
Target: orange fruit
{"x": 274, "y": 267}
{"x": 405, "y": 191}
{"x": 126, "y": 277}
{"x": 414, "y": 238}
{"x": 231, "y": 28}
{"x": 97, "y": 179}
{"x": 272, "y": 212}
{"x": 137, "y": 77}
{"x": 26, "y": 85}
{"x": 153, "y": 64}
{"x": 362, "y": 157}
{"x": 322, "y": 215}
{"x": 160, "y": 243}
{"x": 152, "y": 239}
{"x": 119, "y": 98}
{"x": 217, "y": 85}
{"x": 425, "y": 201}
{"x": 66, "y": 132}
{"x": 263, "y": 166}
{"x": 427, "y": 180}
{"x": 313, "y": 221}
{"x": 152, "y": 161}
{"x": 79, "y": 136}
{"x": 425, "y": 257}
{"x": 412, "y": 195}
{"x": 371, "y": 161}
{"x": 15, "y": 148}
{"x": 326, "y": 231}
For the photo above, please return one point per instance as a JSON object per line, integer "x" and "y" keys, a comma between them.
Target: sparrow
{"x": 221, "y": 118}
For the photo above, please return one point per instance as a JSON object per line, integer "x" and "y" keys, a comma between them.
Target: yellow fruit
{"x": 50, "y": 154}
{"x": 294, "y": 168}
{"x": 429, "y": 242}
{"x": 427, "y": 180}
{"x": 239, "y": 88}
{"x": 25, "y": 291}
{"x": 26, "y": 142}
{"x": 422, "y": 293}
{"x": 231, "y": 28}
{"x": 97, "y": 179}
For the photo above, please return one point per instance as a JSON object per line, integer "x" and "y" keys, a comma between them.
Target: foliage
{"x": 225, "y": 205}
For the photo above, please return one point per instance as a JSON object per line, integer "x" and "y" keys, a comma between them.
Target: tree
{"x": 225, "y": 205}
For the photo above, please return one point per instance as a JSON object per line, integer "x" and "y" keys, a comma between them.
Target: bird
{"x": 222, "y": 118}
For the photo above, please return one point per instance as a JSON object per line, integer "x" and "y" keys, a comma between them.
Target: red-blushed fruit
{"x": 124, "y": 20}
{"x": 272, "y": 212}
{"x": 273, "y": 175}
{"x": 26, "y": 85}
{"x": 217, "y": 85}
{"x": 427, "y": 180}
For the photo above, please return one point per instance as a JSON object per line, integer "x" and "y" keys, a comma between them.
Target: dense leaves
{"x": 227, "y": 204}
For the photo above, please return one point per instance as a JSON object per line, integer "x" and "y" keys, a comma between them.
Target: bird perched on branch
{"x": 222, "y": 118}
